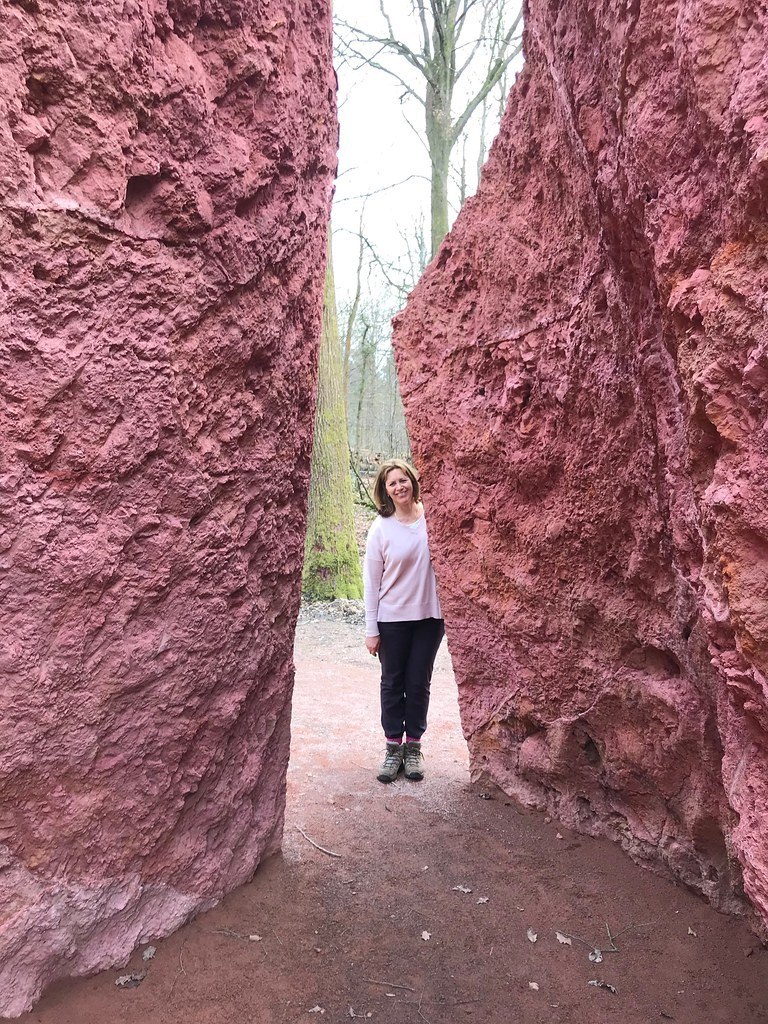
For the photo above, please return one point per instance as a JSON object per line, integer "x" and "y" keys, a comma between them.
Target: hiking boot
{"x": 392, "y": 763}
{"x": 414, "y": 761}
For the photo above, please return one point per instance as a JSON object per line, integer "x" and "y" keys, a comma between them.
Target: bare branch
{"x": 472, "y": 54}
{"x": 383, "y": 268}
{"x": 495, "y": 72}
{"x": 386, "y": 18}
{"x": 424, "y": 29}
{"x": 437, "y": 25}
{"x": 481, "y": 35}
{"x": 419, "y": 135}
{"x": 462, "y": 17}
{"x": 384, "y": 188}
{"x": 370, "y": 61}
{"x": 389, "y": 43}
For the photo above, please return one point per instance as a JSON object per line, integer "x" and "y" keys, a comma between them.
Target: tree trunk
{"x": 331, "y": 560}
{"x": 364, "y": 354}
{"x": 352, "y": 316}
{"x": 438, "y": 128}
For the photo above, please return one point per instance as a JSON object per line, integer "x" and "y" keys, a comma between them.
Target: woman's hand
{"x": 373, "y": 643}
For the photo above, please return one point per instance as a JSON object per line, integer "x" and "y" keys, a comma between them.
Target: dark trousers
{"x": 407, "y": 654}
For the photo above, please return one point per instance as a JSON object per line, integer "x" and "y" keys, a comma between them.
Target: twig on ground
{"x": 180, "y": 971}
{"x": 389, "y": 984}
{"x": 613, "y": 948}
{"x": 631, "y": 928}
{"x": 232, "y": 934}
{"x": 578, "y": 938}
{"x": 317, "y": 846}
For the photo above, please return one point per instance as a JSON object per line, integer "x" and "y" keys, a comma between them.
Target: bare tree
{"x": 440, "y": 60}
{"x": 377, "y": 422}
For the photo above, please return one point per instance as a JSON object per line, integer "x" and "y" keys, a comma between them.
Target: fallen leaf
{"x": 692, "y": 932}
{"x": 461, "y": 888}
{"x": 130, "y": 980}
{"x": 483, "y": 899}
{"x": 316, "y": 1009}
{"x": 558, "y": 836}
{"x": 602, "y": 984}
{"x": 565, "y": 939}
{"x": 426, "y": 936}
{"x": 534, "y": 985}
{"x": 532, "y": 936}
{"x": 254, "y": 938}
{"x": 392, "y": 995}
{"x": 596, "y": 956}
{"x": 521, "y": 908}
{"x": 149, "y": 953}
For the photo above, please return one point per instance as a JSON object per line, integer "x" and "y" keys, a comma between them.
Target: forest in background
{"x": 422, "y": 88}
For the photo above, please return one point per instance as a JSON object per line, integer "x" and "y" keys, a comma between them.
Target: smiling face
{"x": 396, "y": 488}
{"x": 400, "y": 489}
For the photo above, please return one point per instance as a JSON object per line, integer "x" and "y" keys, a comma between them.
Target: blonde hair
{"x": 384, "y": 504}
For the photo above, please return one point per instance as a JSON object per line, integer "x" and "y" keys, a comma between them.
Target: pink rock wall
{"x": 585, "y": 373}
{"x": 165, "y": 179}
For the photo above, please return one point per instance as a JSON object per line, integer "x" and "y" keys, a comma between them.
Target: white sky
{"x": 378, "y": 148}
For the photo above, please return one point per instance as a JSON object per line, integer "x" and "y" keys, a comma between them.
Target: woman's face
{"x": 399, "y": 488}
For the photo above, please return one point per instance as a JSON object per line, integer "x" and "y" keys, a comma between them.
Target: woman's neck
{"x": 409, "y": 515}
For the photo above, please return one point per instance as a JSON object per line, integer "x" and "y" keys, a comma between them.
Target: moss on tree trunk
{"x": 331, "y": 560}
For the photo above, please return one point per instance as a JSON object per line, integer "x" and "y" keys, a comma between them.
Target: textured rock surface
{"x": 165, "y": 174}
{"x": 585, "y": 372}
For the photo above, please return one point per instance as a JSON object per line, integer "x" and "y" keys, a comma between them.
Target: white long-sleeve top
{"x": 398, "y": 577}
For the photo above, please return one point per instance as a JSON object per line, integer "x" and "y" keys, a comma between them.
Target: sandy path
{"x": 333, "y": 928}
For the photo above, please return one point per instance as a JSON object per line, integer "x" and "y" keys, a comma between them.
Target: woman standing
{"x": 403, "y": 621}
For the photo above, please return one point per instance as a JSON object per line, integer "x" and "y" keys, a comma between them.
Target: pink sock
{"x": 394, "y": 739}
{"x": 412, "y": 739}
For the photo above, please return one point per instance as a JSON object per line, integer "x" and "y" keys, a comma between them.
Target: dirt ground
{"x": 383, "y": 933}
